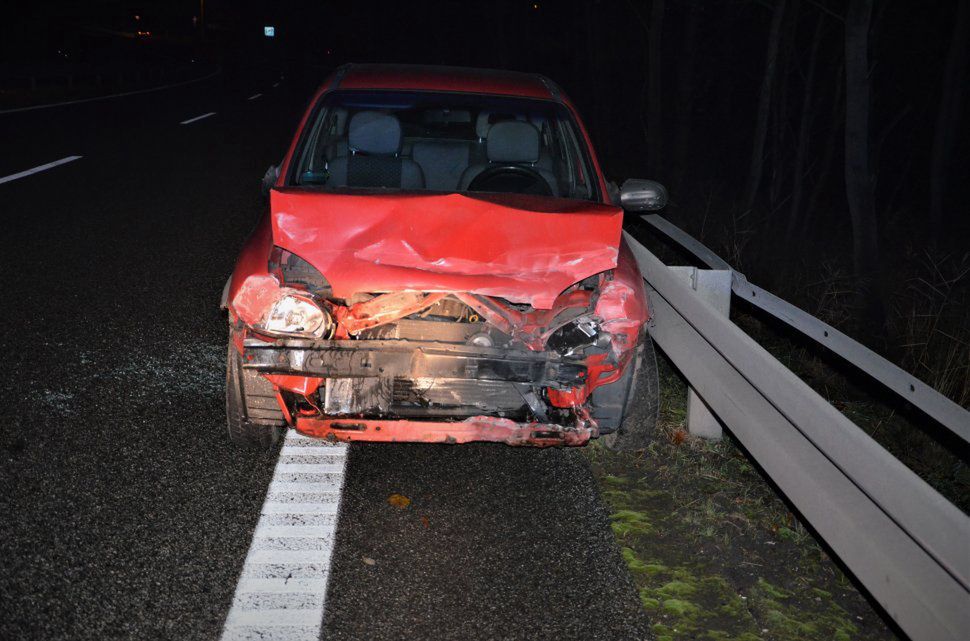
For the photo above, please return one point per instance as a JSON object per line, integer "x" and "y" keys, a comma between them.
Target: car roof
{"x": 435, "y": 78}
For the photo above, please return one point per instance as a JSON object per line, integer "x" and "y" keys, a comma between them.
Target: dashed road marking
{"x": 254, "y": 96}
{"x": 37, "y": 170}
{"x": 275, "y": 85}
{"x": 191, "y": 120}
{"x": 110, "y": 96}
{"x": 282, "y": 589}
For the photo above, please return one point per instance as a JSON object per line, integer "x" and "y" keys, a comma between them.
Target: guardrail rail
{"x": 904, "y": 541}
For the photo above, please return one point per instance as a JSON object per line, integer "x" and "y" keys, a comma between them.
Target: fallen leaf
{"x": 425, "y": 521}
{"x": 678, "y": 437}
{"x": 368, "y": 561}
{"x": 399, "y": 501}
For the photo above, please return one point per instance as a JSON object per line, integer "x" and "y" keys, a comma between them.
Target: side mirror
{"x": 269, "y": 179}
{"x": 642, "y": 195}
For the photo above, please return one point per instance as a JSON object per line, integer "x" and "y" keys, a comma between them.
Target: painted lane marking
{"x": 110, "y": 96}
{"x": 254, "y": 96}
{"x": 191, "y": 120}
{"x": 37, "y": 170}
{"x": 275, "y": 85}
{"x": 282, "y": 589}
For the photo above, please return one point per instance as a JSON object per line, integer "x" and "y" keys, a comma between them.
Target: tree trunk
{"x": 764, "y": 108}
{"x": 949, "y": 117}
{"x": 836, "y": 126}
{"x": 685, "y": 98}
{"x": 780, "y": 130}
{"x": 804, "y": 130}
{"x": 858, "y": 173}
{"x": 654, "y": 93}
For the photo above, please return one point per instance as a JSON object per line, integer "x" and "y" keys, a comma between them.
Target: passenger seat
{"x": 374, "y": 139}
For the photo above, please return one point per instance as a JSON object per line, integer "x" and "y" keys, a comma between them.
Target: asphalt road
{"x": 124, "y": 510}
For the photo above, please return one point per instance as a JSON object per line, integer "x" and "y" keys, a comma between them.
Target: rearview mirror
{"x": 642, "y": 195}
{"x": 269, "y": 179}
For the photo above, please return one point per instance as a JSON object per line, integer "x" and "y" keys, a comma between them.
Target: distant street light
{"x": 269, "y": 31}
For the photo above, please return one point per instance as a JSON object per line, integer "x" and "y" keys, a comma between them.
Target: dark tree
{"x": 764, "y": 107}
{"x": 950, "y": 115}
{"x": 805, "y": 119}
{"x": 858, "y": 172}
{"x": 654, "y": 89}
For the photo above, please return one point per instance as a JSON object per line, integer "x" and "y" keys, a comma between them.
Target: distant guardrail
{"x": 906, "y": 543}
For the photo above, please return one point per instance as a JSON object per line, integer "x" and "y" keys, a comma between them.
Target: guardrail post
{"x": 713, "y": 286}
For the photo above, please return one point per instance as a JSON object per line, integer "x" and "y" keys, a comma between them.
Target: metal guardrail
{"x": 905, "y": 385}
{"x": 902, "y": 539}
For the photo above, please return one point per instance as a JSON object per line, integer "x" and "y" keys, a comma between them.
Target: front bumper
{"x": 423, "y": 391}
{"x": 410, "y": 359}
{"x": 473, "y": 429}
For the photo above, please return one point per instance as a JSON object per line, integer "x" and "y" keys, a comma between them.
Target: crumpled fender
{"x": 624, "y": 301}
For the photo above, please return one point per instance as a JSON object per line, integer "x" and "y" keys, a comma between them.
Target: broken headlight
{"x": 295, "y": 315}
{"x": 577, "y": 335}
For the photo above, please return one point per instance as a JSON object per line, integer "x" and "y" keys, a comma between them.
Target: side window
{"x": 321, "y": 139}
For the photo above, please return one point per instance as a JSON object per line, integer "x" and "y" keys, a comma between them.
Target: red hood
{"x": 526, "y": 249}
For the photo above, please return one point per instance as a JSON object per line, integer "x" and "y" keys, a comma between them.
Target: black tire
{"x": 253, "y": 414}
{"x": 642, "y": 407}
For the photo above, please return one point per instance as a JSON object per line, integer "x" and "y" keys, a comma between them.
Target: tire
{"x": 642, "y": 407}
{"x": 253, "y": 414}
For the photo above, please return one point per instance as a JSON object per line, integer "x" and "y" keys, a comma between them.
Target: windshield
{"x": 443, "y": 142}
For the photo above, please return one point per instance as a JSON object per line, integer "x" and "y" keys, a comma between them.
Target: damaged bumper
{"x": 423, "y": 391}
{"x": 414, "y": 359}
{"x": 474, "y": 429}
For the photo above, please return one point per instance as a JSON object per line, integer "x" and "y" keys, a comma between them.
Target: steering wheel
{"x": 514, "y": 179}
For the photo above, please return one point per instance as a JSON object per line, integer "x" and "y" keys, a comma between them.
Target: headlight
{"x": 295, "y": 315}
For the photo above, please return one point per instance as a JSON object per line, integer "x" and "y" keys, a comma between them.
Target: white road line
{"x": 318, "y": 468}
{"x": 191, "y": 120}
{"x": 37, "y": 170}
{"x": 282, "y": 588}
{"x": 310, "y": 488}
{"x": 110, "y": 96}
{"x": 308, "y": 447}
{"x": 275, "y": 85}
{"x": 254, "y": 96}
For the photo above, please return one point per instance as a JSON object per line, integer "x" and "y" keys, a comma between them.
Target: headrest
{"x": 372, "y": 132}
{"x": 512, "y": 141}
{"x": 486, "y": 118}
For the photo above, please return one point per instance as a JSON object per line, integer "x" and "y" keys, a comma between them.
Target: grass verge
{"x": 714, "y": 552}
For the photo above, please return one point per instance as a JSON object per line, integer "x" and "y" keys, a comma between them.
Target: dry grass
{"x": 932, "y": 324}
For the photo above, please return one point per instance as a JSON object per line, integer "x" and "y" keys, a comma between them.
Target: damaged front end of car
{"x": 437, "y": 367}
{"x": 427, "y": 363}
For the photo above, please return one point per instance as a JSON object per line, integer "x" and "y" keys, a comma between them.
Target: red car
{"x": 442, "y": 261}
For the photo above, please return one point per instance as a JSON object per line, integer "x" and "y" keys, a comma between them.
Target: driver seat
{"x": 510, "y": 142}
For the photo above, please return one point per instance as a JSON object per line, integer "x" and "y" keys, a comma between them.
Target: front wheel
{"x": 253, "y": 414}
{"x": 641, "y": 408}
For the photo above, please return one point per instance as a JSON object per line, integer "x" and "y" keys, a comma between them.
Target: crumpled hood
{"x": 526, "y": 249}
